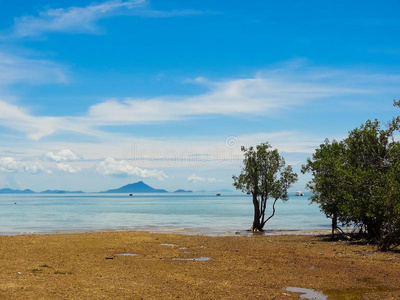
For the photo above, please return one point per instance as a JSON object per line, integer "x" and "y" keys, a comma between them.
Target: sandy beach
{"x": 141, "y": 265}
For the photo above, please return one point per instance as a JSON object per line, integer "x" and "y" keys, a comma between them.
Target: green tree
{"x": 357, "y": 181}
{"x": 265, "y": 176}
{"x": 368, "y": 163}
{"x": 390, "y": 230}
{"x": 327, "y": 186}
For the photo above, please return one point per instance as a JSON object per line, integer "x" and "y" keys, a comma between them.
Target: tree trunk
{"x": 256, "y": 221}
{"x": 334, "y": 225}
{"x": 373, "y": 229}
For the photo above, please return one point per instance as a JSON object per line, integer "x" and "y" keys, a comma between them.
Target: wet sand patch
{"x": 193, "y": 259}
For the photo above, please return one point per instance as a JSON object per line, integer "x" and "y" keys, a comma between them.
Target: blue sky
{"x": 95, "y": 95}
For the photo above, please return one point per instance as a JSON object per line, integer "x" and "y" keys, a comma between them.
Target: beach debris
{"x": 306, "y": 293}
{"x": 109, "y": 257}
{"x": 126, "y": 254}
{"x": 19, "y": 273}
{"x": 169, "y": 245}
{"x": 35, "y": 271}
{"x": 193, "y": 259}
{"x": 62, "y": 273}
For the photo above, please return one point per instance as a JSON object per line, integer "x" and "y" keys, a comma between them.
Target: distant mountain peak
{"x": 137, "y": 187}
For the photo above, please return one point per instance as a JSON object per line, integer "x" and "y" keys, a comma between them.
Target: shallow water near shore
{"x": 307, "y": 293}
{"x": 179, "y": 213}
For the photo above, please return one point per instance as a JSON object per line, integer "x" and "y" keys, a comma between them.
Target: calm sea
{"x": 184, "y": 213}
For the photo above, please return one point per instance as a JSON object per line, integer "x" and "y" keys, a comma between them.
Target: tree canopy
{"x": 357, "y": 181}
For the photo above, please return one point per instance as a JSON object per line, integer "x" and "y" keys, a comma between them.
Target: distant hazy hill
{"x": 10, "y": 191}
{"x": 61, "y": 192}
{"x": 138, "y": 187}
{"x": 183, "y": 191}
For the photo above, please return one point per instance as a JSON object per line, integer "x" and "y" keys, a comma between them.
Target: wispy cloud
{"x": 72, "y": 19}
{"x": 17, "y": 118}
{"x": 259, "y": 96}
{"x": 36, "y": 127}
{"x": 151, "y": 13}
{"x": 286, "y": 141}
{"x": 262, "y": 95}
{"x": 111, "y": 166}
{"x": 67, "y": 168}
{"x": 84, "y": 19}
{"x": 15, "y": 69}
{"x": 195, "y": 178}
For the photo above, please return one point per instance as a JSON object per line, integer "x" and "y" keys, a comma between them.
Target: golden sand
{"x": 164, "y": 266}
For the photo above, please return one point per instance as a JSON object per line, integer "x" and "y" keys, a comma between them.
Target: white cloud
{"x": 284, "y": 141}
{"x": 111, "y": 166}
{"x": 263, "y": 95}
{"x": 148, "y": 12}
{"x": 83, "y": 19}
{"x": 238, "y": 97}
{"x": 15, "y": 69}
{"x": 34, "y": 127}
{"x": 62, "y": 155}
{"x": 194, "y": 178}
{"x": 73, "y": 19}
{"x": 36, "y": 168}
{"x": 10, "y": 165}
{"x": 68, "y": 168}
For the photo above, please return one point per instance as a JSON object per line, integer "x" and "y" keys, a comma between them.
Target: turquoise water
{"x": 187, "y": 213}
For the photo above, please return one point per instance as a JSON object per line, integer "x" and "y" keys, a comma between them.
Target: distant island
{"x": 183, "y": 191}
{"x": 138, "y": 187}
{"x": 61, "y": 192}
{"x": 11, "y": 191}
{"x": 28, "y": 191}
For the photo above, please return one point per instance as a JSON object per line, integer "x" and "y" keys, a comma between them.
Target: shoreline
{"x": 182, "y": 231}
{"x": 139, "y": 264}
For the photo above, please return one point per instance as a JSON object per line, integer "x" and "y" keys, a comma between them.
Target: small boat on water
{"x": 218, "y": 194}
{"x": 299, "y": 193}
